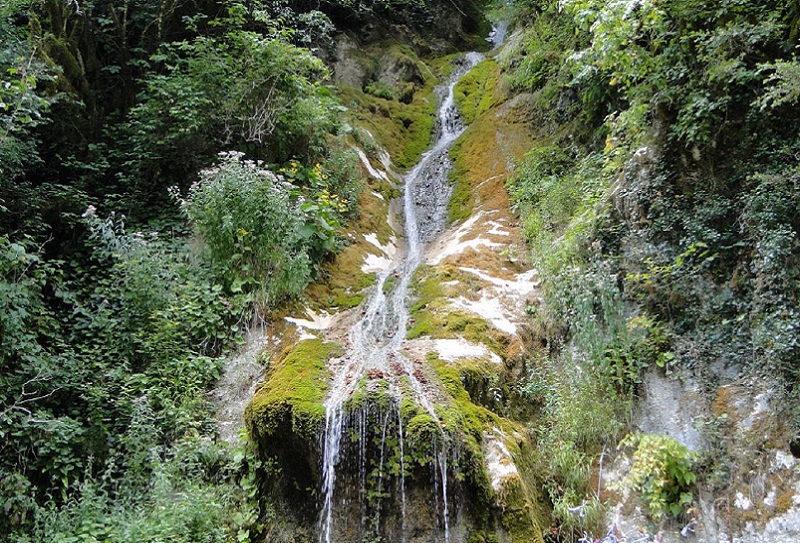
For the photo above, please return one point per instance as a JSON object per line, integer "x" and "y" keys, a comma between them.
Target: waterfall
{"x": 375, "y": 341}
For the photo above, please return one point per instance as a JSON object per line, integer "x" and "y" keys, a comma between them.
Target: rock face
{"x": 762, "y": 502}
{"x": 380, "y": 45}
{"x": 348, "y": 69}
{"x": 729, "y": 417}
{"x": 389, "y": 420}
{"x": 437, "y": 28}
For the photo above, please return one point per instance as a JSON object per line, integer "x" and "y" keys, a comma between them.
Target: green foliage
{"x": 24, "y": 276}
{"x": 22, "y": 108}
{"x": 254, "y": 229}
{"x": 662, "y": 472}
{"x": 132, "y": 343}
{"x": 153, "y": 292}
{"x": 241, "y": 90}
{"x": 771, "y": 225}
{"x": 550, "y": 189}
{"x": 580, "y": 417}
{"x": 200, "y": 493}
{"x": 536, "y": 60}
{"x": 343, "y": 180}
{"x": 783, "y": 85}
{"x": 266, "y": 232}
{"x": 695, "y": 77}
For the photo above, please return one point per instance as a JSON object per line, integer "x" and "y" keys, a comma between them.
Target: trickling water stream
{"x": 375, "y": 341}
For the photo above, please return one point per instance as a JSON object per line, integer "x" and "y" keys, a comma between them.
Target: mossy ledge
{"x": 295, "y": 387}
{"x": 434, "y": 317}
{"x": 286, "y": 416}
{"x": 516, "y": 503}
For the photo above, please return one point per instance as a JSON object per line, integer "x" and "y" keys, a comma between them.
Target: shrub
{"x": 253, "y": 229}
{"x": 185, "y": 501}
{"x": 662, "y": 472}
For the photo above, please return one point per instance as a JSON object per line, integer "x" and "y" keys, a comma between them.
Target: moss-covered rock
{"x": 516, "y": 502}
{"x": 433, "y": 315}
{"x": 293, "y": 392}
{"x": 477, "y": 91}
{"x": 496, "y": 139}
{"x": 284, "y": 420}
{"x": 403, "y": 128}
{"x": 395, "y": 101}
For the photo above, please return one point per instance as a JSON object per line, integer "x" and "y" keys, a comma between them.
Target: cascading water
{"x": 375, "y": 341}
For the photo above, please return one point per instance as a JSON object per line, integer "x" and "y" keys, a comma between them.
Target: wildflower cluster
{"x": 332, "y": 201}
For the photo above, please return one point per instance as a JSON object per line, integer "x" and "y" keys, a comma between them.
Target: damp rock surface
{"x": 411, "y": 443}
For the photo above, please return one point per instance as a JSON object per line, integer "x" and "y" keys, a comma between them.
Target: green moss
{"x": 379, "y": 89}
{"x": 496, "y": 138}
{"x": 433, "y": 316}
{"x": 404, "y": 127}
{"x": 460, "y": 206}
{"x": 422, "y": 428}
{"x": 347, "y": 300}
{"x": 521, "y": 511}
{"x": 345, "y": 281}
{"x": 461, "y": 417}
{"x": 388, "y": 191}
{"x": 390, "y": 284}
{"x": 443, "y": 66}
{"x": 483, "y": 537}
{"x": 428, "y": 287}
{"x": 471, "y": 167}
{"x": 293, "y": 392}
{"x": 475, "y": 93}
{"x": 441, "y": 323}
{"x": 471, "y": 418}
{"x": 519, "y": 500}
{"x": 373, "y": 388}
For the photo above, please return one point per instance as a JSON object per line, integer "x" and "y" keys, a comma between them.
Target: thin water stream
{"x": 375, "y": 341}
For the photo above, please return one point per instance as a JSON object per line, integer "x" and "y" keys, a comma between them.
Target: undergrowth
{"x": 656, "y": 218}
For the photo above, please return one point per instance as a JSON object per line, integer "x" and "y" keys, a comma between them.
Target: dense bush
{"x": 267, "y": 232}
{"x": 676, "y": 234}
{"x": 75, "y": 375}
{"x": 253, "y": 225}
{"x": 242, "y": 90}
